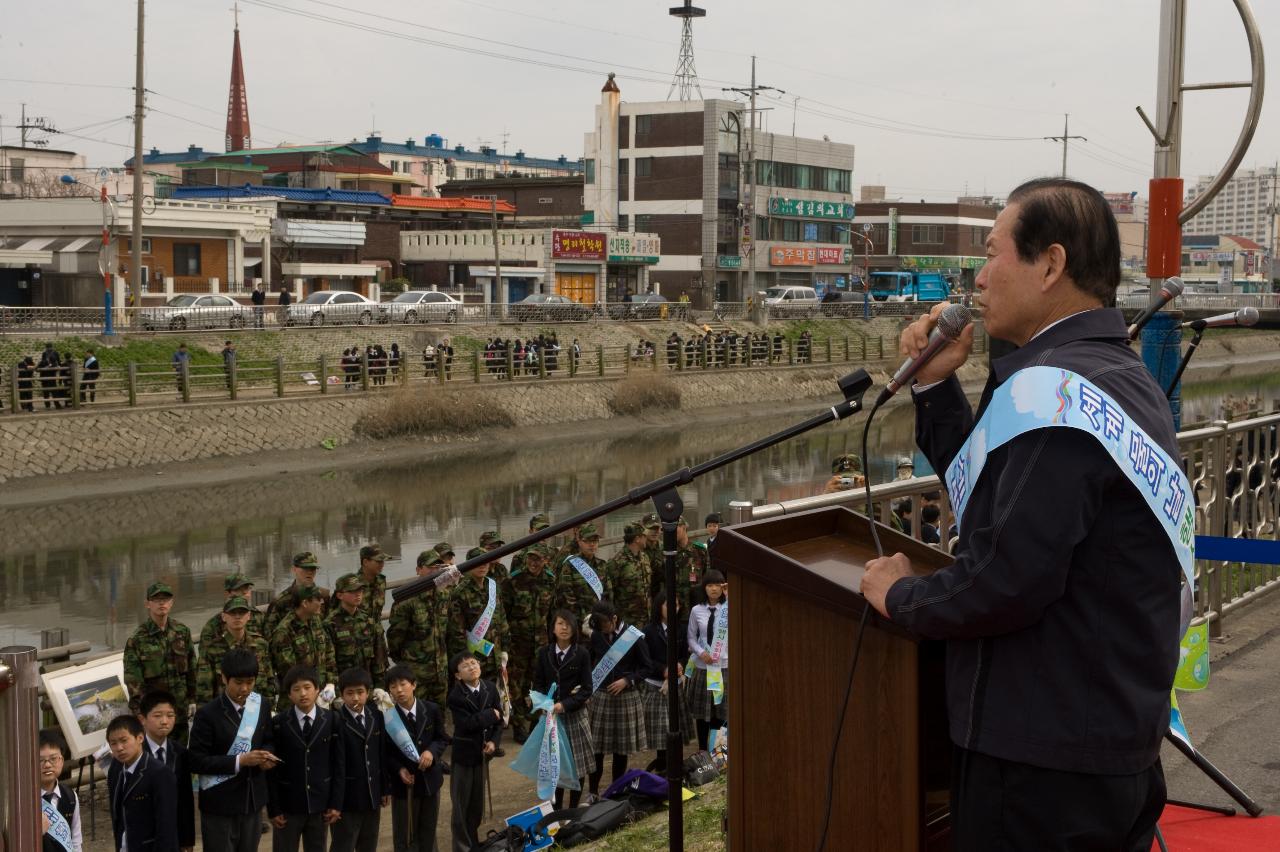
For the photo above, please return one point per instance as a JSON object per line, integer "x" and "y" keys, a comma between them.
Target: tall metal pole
{"x": 497, "y": 256}
{"x": 1064, "y": 138}
{"x": 19, "y": 729}
{"x": 751, "y": 190}
{"x": 139, "y": 97}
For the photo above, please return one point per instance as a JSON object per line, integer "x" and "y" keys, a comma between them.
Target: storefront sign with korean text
{"x": 793, "y": 256}
{"x": 634, "y": 248}
{"x": 578, "y": 245}
{"x": 924, "y": 261}
{"x": 810, "y": 209}
{"x": 728, "y": 261}
{"x": 833, "y": 255}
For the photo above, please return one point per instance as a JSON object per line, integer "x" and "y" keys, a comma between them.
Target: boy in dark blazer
{"x": 304, "y": 793}
{"x": 59, "y": 802}
{"x": 367, "y": 783}
{"x": 141, "y": 792}
{"x": 477, "y": 731}
{"x": 158, "y": 713}
{"x": 415, "y": 785}
{"x": 232, "y": 766}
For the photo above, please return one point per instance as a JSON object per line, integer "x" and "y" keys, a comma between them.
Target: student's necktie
{"x": 48, "y": 797}
{"x": 711, "y": 620}
{"x": 240, "y": 713}
{"x": 560, "y": 656}
{"x": 160, "y": 755}
{"x": 364, "y": 728}
{"x": 306, "y": 727}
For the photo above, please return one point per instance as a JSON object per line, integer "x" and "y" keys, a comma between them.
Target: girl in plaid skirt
{"x": 617, "y": 715}
{"x": 653, "y": 690}
{"x": 564, "y": 662}
{"x": 702, "y": 619}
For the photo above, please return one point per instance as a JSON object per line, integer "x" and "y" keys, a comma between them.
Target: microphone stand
{"x": 669, "y": 506}
{"x": 1186, "y": 359}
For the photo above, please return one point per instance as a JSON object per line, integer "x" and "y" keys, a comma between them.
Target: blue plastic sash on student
{"x": 475, "y": 636}
{"x": 243, "y": 743}
{"x": 59, "y": 830}
{"x": 546, "y": 756}
{"x": 616, "y": 652}
{"x": 1044, "y": 397}
{"x": 719, "y": 644}
{"x": 400, "y": 734}
{"x": 589, "y": 574}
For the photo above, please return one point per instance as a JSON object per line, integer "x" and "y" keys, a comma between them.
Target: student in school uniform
{"x": 654, "y": 687}
{"x": 61, "y": 806}
{"x": 414, "y": 727}
{"x": 230, "y": 748}
{"x": 141, "y": 792}
{"x": 304, "y": 793}
{"x": 707, "y": 714}
{"x": 477, "y": 733}
{"x": 158, "y": 712}
{"x": 367, "y": 783}
{"x": 565, "y": 663}
{"x": 617, "y": 714}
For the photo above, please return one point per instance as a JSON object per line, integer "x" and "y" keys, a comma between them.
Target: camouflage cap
{"x": 444, "y": 548}
{"x": 430, "y": 557}
{"x": 541, "y": 550}
{"x": 651, "y": 521}
{"x": 631, "y": 532}
{"x": 237, "y": 603}
{"x": 372, "y": 551}
{"x": 588, "y": 531}
{"x": 476, "y": 551}
{"x": 235, "y": 581}
{"x": 306, "y": 559}
{"x": 539, "y": 521}
{"x": 846, "y": 463}
{"x": 306, "y": 593}
{"x": 350, "y": 583}
{"x": 490, "y": 538}
{"x": 156, "y": 590}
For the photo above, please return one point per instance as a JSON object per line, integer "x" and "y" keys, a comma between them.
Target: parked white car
{"x": 188, "y": 310}
{"x": 332, "y": 307}
{"x": 421, "y": 306}
{"x": 791, "y": 300}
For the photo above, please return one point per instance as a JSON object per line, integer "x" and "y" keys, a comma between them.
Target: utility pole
{"x": 497, "y": 256}
{"x": 1066, "y": 135}
{"x": 750, "y": 210}
{"x": 139, "y": 97}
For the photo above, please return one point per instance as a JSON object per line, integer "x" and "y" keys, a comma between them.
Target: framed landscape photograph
{"x": 85, "y": 699}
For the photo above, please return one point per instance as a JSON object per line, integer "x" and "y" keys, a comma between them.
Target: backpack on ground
{"x": 582, "y": 825}
{"x": 644, "y": 791}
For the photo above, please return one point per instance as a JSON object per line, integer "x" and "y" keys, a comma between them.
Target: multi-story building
{"x": 942, "y": 237}
{"x": 1130, "y": 210}
{"x": 426, "y": 168}
{"x": 677, "y": 169}
{"x": 1245, "y": 207}
{"x": 540, "y": 202}
{"x": 37, "y": 172}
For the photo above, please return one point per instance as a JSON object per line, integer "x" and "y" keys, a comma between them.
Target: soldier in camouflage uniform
{"x": 538, "y": 522}
{"x": 626, "y": 578}
{"x": 415, "y": 636}
{"x": 467, "y": 602}
{"x": 237, "y": 632}
{"x": 304, "y": 574}
{"x": 490, "y": 540}
{"x": 572, "y": 591}
{"x": 235, "y": 586}
{"x": 372, "y": 560}
{"x": 301, "y": 640}
{"x": 653, "y": 547}
{"x": 357, "y": 639}
{"x": 691, "y": 564}
{"x": 161, "y": 655}
{"x": 526, "y": 601}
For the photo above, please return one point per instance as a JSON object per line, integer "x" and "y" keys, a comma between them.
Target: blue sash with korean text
{"x": 475, "y": 636}
{"x": 243, "y": 743}
{"x": 59, "y": 830}
{"x": 1041, "y": 397}
{"x": 589, "y": 574}
{"x": 400, "y": 734}
{"x": 616, "y": 652}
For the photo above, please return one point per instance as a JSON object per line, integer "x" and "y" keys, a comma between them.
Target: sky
{"x": 940, "y": 98}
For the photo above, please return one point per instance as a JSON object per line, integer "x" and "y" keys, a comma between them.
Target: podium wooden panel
{"x": 793, "y": 620}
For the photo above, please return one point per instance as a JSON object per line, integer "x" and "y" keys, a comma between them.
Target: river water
{"x": 73, "y": 565}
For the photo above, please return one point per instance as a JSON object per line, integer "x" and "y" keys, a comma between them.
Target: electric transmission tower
{"x": 686, "y": 79}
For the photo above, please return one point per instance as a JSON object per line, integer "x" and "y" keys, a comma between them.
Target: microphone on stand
{"x": 1169, "y": 290}
{"x": 1243, "y": 318}
{"x": 951, "y": 322}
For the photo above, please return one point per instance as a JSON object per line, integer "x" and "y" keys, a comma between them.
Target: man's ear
{"x": 1054, "y": 259}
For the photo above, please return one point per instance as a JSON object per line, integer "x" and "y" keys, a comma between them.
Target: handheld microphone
{"x": 1169, "y": 290}
{"x": 951, "y": 322}
{"x": 1244, "y": 317}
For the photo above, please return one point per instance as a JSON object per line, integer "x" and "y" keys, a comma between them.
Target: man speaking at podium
{"x": 1061, "y": 611}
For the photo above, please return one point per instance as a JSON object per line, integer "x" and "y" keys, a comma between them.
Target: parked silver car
{"x": 421, "y": 306}
{"x": 333, "y": 306}
{"x": 189, "y": 310}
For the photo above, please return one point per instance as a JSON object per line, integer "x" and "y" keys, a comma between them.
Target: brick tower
{"x": 237, "y": 99}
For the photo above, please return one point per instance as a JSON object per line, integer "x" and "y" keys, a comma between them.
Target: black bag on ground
{"x": 582, "y": 825}
{"x": 510, "y": 839}
{"x": 699, "y": 769}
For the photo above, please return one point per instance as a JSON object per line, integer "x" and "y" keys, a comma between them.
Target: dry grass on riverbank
{"x": 643, "y": 392}
{"x": 431, "y": 411}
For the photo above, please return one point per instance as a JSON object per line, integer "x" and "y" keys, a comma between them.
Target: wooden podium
{"x": 793, "y": 620}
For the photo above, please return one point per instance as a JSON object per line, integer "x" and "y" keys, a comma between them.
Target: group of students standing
{"x": 381, "y": 361}
{"x": 51, "y": 377}
{"x": 527, "y": 356}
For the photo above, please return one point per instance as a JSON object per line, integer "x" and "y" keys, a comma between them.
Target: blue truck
{"x": 909, "y": 286}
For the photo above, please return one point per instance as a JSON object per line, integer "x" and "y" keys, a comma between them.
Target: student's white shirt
{"x": 77, "y": 840}
{"x": 698, "y": 618}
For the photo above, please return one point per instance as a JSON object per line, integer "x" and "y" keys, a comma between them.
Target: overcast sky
{"x": 895, "y": 79}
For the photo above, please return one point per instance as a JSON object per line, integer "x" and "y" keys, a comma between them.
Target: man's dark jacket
{"x": 143, "y": 806}
{"x": 213, "y": 731}
{"x": 1061, "y": 610}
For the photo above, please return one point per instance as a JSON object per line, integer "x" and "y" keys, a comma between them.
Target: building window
{"x": 146, "y": 245}
{"x": 624, "y": 168}
{"x": 978, "y": 237}
{"x": 926, "y": 235}
{"x": 589, "y": 169}
{"x": 644, "y": 167}
{"x": 644, "y": 223}
{"x": 644, "y": 125}
{"x": 624, "y": 222}
{"x": 17, "y": 169}
{"x": 186, "y": 258}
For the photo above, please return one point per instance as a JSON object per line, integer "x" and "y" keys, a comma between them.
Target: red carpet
{"x": 1188, "y": 830}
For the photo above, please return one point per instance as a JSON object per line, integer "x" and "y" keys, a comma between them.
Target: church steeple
{"x": 238, "y": 137}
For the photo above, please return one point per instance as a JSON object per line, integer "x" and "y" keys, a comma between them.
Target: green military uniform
{"x": 375, "y": 588}
{"x": 691, "y": 564}
{"x": 161, "y": 658}
{"x": 303, "y": 643}
{"x": 526, "y": 602}
{"x": 538, "y": 522}
{"x": 208, "y": 670}
{"x": 467, "y": 602}
{"x": 357, "y": 639}
{"x": 490, "y": 540}
{"x": 284, "y": 602}
{"x": 213, "y": 628}
{"x": 572, "y": 592}
{"x": 626, "y": 581}
{"x": 657, "y": 563}
{"x": 415, "y": 637}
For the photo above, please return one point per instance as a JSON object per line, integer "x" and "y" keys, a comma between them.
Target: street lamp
{"x": 104, "y": 254}
{"x": 867, "y": 248}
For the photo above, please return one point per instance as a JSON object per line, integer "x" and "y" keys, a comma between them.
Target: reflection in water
{"x": 69, "y": 565}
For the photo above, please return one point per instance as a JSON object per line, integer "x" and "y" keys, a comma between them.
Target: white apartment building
{"x": 1246, "y": 207}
